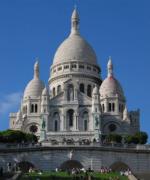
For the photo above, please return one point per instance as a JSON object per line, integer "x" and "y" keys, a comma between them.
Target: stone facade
{"x": 77, "y": 104}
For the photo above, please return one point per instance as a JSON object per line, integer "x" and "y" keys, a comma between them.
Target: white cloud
{"x": 9, "y": 102}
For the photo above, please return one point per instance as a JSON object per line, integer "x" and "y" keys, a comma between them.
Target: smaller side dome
{"x": 110, "y": 86}
{"x": 45, "y": 92}
{"x": 35, "y": 86}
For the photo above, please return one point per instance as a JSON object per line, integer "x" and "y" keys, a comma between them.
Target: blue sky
{"x": 35, "y": 28}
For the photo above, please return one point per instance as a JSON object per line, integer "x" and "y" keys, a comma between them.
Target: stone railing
{"x": 72, "y": 144}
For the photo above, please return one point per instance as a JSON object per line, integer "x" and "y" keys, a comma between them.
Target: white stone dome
{"x": 35, "y": 86}
{"x": 75, "y": 48}
{"x": 111, "y": 87}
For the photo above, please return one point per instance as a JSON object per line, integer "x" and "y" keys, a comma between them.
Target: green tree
{"x": 13, "y": 136}
{"x": 114, "y": 138}
{"x": 137, "y": 138}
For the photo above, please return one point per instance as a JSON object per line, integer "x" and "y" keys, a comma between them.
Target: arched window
{"x": 113, "y": 106}
{"x": 33, "y": 128}
{"x": 70, "y": 115}
{"x": 56, "y": 126}
{"x": 85, "y": 125}
{"x": 58, "y": 89}
{"x": 54, "y": 92}
{"x": 85, "y": 121}
{"x": 36, "y": 108}
{"x": 32, "y": 108}
{"x": 112, "y": 127}
{"x": 70, "y": 93}
{"x": 89, "y": 90}
{"x": 56, "y": 121}
{"x": 82, "y": 88}
{"x": 103, "y": 107}
{"x": 109, "y": 107}
{"x": 26, "y": 109}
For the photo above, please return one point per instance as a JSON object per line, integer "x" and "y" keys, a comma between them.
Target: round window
{"x": 33, "y": 129}
{"x": 112, "y": 127}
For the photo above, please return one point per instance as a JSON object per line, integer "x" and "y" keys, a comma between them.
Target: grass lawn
{"x": 66, "y": 176}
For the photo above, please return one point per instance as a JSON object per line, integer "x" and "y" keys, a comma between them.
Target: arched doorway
{"x": 119, "y": 166}
{"x": 24, "y": 166}
{"x": 70, "y": 164}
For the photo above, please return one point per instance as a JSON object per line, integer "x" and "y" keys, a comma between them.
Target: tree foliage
{"x": 137, "y": 138}
{"x": 114, "y": 138}
{"x": 15, "y": 136}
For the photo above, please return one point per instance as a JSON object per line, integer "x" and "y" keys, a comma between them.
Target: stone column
{"x": 28, "y": 106}
{"x": 64, "y": 123}
{"x": 117, "y": 106}
{"x": 106, "y": 105}
{"x": 77, "y": 118}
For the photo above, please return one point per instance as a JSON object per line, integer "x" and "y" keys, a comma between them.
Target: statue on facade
{"x": 43, "y": 124}
{"x": 96, "y": 121}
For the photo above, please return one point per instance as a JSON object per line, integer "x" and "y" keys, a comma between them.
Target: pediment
{"x": 84, "y": 99}
{"x": 57, "y": 100}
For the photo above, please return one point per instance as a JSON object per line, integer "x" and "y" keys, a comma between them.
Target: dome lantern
{"x": 36, "y": 70}
{"x": 75, "y": 22}
{"x": 110, "y": 67}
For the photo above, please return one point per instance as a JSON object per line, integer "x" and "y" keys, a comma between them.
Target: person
{"x": 9, "y": 166}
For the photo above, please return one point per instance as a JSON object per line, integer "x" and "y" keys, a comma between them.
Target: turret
{"x": 95, "y": 100}
{"x": 111, "y": 93}
{"x": 125, "y": 113}
{"x": 75, "y": 22}
{"x": 45, "y": 101}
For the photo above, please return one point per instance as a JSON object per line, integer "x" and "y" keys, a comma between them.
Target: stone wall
{"x": 49, "y": 158}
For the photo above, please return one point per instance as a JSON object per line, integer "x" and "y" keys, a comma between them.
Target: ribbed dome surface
{"x": 34, "y": 88}
{"x": 111, "y": 87}
{"x": 75, "y": 48}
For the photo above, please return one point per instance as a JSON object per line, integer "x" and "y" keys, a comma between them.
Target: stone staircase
{"x": 132, "y": 177}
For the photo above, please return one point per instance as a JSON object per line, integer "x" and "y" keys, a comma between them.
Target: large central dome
{"x": 75, "y": 47}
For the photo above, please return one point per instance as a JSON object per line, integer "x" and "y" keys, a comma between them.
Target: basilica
{"x": 77, "y": 103}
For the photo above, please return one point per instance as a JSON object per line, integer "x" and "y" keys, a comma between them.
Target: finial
{"x": 110, "y": 67}
{"x": 75, "y": 22}
{"x": 36, "y": 69}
